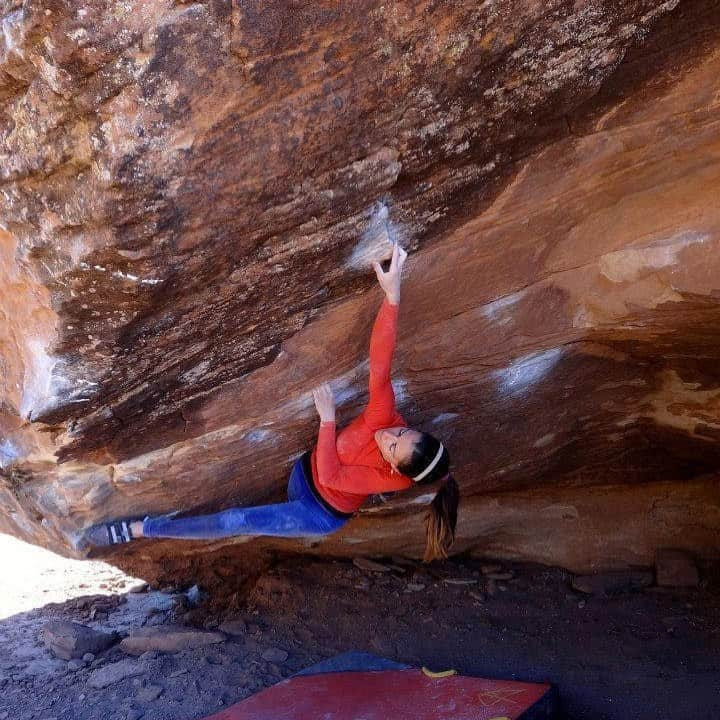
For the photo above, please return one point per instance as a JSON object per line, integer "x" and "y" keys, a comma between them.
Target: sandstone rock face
{"x": 187, "y": 194}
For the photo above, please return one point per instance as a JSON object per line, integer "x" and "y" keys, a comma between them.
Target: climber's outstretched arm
{"x": 381, "y": 404}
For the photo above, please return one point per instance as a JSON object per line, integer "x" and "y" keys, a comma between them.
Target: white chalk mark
{"x": 527, "y": 371}
{"x": 135, "y": 278}
{"x": 191, "y": 375}
{"x": 376, "y": 243}
{"x": 346, "y": 388}
{"x": 629, "y": 264}
{"x": 544, "y": 440}
{"x": 424, "y": 499}
{"x": 37, "y": 379}
{"x": 498, "y": 310}
{"x": 261, "y": 435}
{"x": 400, "y": 388}
{"x": 8, "y": 453}
{"x": 443, "y": 418}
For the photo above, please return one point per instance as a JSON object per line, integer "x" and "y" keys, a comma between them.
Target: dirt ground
{"x": 640, "y": 655}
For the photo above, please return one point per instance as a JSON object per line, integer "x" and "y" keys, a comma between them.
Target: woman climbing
{"x": 376, "y": 453}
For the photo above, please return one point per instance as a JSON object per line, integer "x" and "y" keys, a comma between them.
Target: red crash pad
{"x": 387, "y": 694}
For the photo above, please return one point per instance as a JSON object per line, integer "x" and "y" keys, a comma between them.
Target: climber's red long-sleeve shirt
{"x": 348, "y": 469}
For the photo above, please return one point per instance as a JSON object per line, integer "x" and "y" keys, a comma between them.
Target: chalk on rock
{"x": 195, "y": 596}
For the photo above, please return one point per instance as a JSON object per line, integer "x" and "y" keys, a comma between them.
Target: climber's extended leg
{"x": 302, "y": 516}
{"x": 290, "y": 519}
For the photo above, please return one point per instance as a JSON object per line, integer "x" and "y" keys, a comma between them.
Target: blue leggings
{"x": 302, "y": 516}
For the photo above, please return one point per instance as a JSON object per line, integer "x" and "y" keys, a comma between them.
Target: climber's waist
{"x": 306, "y": 461}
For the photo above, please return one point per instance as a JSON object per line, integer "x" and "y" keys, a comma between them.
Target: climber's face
{"x": 396, "y": 444}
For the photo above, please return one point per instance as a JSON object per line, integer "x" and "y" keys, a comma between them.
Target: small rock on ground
{"x": 612, "y": 582}
{"x": 675, "y": 568}
{"x": 489, "y": 569}
{"x": 114, "y": 673}
{"x": 68, "y": 640}
{"x": 370, "y": 565}
{"x": 38, "y": 668}
{"x": 149, "y": 693}
{"x": 168, "y": 639}
{"x": 274, "y": 655}
{"x": 233, "y": 627}
{"x": 500, "y": 575}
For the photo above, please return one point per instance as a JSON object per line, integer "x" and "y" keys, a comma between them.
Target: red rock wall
{"x": 184, "y": 201}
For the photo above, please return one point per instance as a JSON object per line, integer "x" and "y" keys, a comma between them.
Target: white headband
{"x": 430, "y": 467}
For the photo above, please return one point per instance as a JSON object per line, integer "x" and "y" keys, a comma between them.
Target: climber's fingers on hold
{"x": 378, "y": 270}
{"x": 395, "y": 255}
{"x": 323, "y": 392}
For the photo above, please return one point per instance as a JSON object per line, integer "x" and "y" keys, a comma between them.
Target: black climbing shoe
{"x": 113, "y": 533}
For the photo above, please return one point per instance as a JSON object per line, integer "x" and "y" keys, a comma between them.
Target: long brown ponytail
{"x": 430, "y": 462}
{"x": 441, "y": 520}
